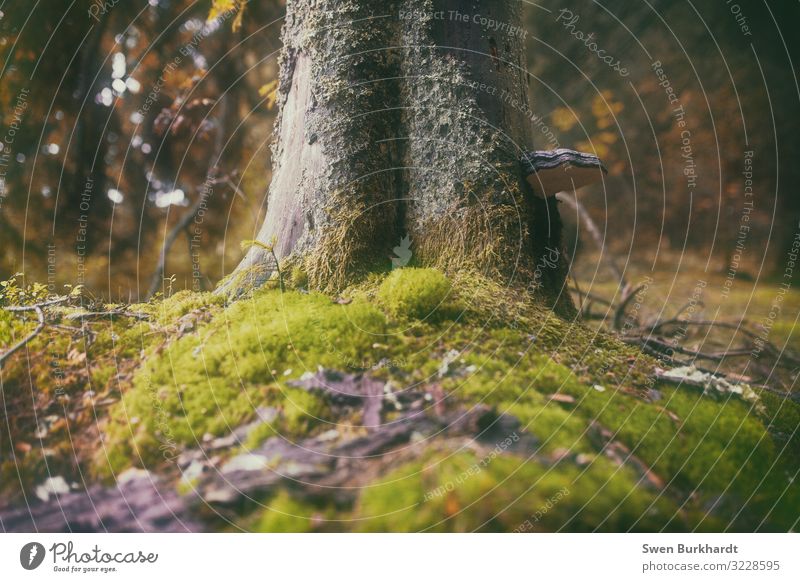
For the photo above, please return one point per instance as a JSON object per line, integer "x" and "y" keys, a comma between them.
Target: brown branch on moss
{"x": 652, "y": 337}
{"x": 758, "y": 343}
{"x": 42, "y": 319}
{"x": 38, "y": 308}
{"x": 110, "y": 314}
{"x": 649, "y": 336}
{"x": 619, "y": 312}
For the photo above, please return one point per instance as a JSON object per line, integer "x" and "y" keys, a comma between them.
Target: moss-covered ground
{"x": 616, "y": 448}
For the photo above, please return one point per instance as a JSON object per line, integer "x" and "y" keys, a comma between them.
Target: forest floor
{"x": 412, "y": 402}
{"x": 750, "y": 297}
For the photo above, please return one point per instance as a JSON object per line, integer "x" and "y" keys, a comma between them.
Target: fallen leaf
{"x": 674, "y": 417}
{"x": 451, "y": 505}
{"x": 565, "y": 398}
{"x": 23, "y": 447}
{"x": 76, "y": 357}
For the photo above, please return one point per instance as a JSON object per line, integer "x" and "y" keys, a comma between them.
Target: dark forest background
{"x": 136, "y": 133}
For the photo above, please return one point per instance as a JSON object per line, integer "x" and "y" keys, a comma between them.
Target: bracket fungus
{"x": 552, "y": 171}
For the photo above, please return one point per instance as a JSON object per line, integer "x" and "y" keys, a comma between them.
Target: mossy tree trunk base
{"x": 398, "y": 119}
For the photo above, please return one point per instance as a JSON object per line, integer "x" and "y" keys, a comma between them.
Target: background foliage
{"x": 155, "y": 102}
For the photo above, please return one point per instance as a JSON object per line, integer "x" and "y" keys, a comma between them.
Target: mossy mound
{"x": 615, "y": 449}
{"x": 458, "y": 493}
{"x": 415, "y": 293}
{"x": 469, "y": 492}
{"x": 209, "y": 382}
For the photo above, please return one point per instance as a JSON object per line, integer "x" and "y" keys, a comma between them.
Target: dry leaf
{"x": 565, "y": 398}
{"x": 23, "y": 447}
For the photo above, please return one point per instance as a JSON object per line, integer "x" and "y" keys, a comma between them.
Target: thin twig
{"x": 112, "y": 313}
{"x": 619, "y": 312}
{"x": 785, "y": 355}
{"x": 227, "y": 180}
{"x": 592, "y": 297}
{"x": 35, "y": 306}
{"x": 19, "y": 345}
{"x": 39, "y": 309}
{"x": 170, "y": 239}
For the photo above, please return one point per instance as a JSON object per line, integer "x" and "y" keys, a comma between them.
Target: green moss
{"x": 258, "y": 435}
{"x": 702, "y": 446}
{"x": 102, "y": 375}
{"x": 285, "y": 514}
{"x": 709, "y": 448}
{"x": 13, "y": 327}
{"x": 464, "y": 493}
{"x": 527, "y": 388}
{"x": 121, "y": 337}
{"x": 299, "y": 278}
{"x": 782, "y": 416}
{"x": 416, "y": 293}
{"x": 561, "y": 380}
{"x": 170, "y": 310}
{"x": 210, "y": 381}
{"x": 301, "y": 411}
{"x": 478, "y": 233}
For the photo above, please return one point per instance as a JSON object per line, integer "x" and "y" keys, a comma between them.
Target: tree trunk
{"x": 398, "y": 119}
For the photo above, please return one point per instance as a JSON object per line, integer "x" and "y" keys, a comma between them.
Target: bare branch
{"x": 38, "y": 308}
{"x": 619, "y": 312}
{"x": 170, "y": 239}
{"x": 34, "y": 307}
{"x": 22, "y": 343}
{"x": 111, "y": 313}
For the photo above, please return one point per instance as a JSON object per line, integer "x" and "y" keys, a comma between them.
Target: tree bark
{"x": 403, "y": 118}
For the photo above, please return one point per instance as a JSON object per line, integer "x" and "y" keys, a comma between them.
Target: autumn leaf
{"x": 606, "y": 137}
{"x": 222, "y": 9}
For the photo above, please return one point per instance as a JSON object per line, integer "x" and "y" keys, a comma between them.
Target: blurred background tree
{"x": 133, "y": 111}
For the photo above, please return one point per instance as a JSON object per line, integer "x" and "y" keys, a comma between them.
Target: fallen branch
{"x": 111, "y": 313}
{"x": 646, "y": 335}
{"x": 765, "y": 345}
{"x": 619, "y": 312}
{"x": 35, "y": 306}
{"x": 38, "y": 308}
{"x": 656, "y": 339}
